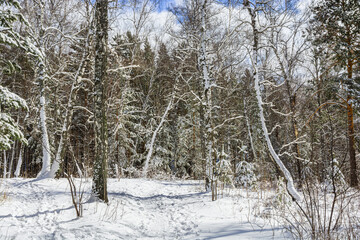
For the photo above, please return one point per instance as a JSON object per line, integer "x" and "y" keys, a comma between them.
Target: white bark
{"x": 151, "y": 147}
{"x": 19, "y": 163}
{"x": 56, "y": 164}
{"x": 46, "y": 161}
{"x": 12, "y": 157}
{"x": 117, "y": 171}
{"x": 5, "y": 165}
{"x": 68, "y": 113}
{"x": 249, "y": 130}
{"x": 206, "y": 97}
{"x": 80, "y": 173}
{"x": 290, "y": 183}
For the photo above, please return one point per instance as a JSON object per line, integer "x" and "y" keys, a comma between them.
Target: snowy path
{"x": 138, "y": 209}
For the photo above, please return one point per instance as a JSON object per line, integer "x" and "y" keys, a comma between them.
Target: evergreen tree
{"x": 337, "y": 27}
{"x": 9, "y": 130}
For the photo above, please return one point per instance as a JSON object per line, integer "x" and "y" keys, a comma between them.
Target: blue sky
{"x": 165, "y": 4}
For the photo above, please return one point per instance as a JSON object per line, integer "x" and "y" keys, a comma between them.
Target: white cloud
{"x": 179, "y": 2}
{"x": 303, "y": 5}
{"x": 155, "y": 28}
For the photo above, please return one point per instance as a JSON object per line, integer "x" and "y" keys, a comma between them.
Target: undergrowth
{"x": 3, "y": 193}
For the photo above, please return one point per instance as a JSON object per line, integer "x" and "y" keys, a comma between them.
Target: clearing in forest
{"x": 137, "y": 209}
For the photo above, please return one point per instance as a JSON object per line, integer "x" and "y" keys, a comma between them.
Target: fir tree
{"x": 9, "y": 130}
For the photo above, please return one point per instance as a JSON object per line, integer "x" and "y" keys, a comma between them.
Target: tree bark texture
{"x": 100, "y": 84}
{"x": 351, "y": 132}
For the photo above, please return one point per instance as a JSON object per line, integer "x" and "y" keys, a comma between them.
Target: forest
{"x": 261, "y": 96}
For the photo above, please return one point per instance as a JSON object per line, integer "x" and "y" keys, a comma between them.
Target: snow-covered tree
{"x": 337, "y": 28}
{"x": 256, "y": 30}
{"x": 9, "y": 129}
{"x": 53, "y": 30}
{"x": 245, "y": 174}
{"x": 288, "y": 48}
{"x": 194, "y": 18}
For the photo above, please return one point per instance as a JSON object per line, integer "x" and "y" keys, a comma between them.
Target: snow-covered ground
{"x": 138, "y": 209}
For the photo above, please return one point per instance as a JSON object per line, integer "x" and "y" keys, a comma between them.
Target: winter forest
{"x": 179, "y": 119}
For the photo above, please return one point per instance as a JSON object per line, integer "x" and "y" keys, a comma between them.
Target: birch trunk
{"x": 19, "y": 163}
{"x": 206, "y": 100}
{"x": 290, "y": 184}
{"x": 151, "y": 147}
{"x": 41, "y": 76}
{"x": 249, "y": 130}
{"x": 12, "y": 157}
{"x": 5, "y": 165}
{"x": 46, "y": 161}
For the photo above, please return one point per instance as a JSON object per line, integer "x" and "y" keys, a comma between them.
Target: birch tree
{"x": 289, "y": 48}
{"x": 194, "y": 19}
{"x": 155, "y": 133}
{"x": 51, "y": 30}
{"x": 253, "y": 10}
{"x": 37, "y": 46}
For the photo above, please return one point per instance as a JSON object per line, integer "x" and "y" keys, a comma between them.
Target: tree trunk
{"x": 290, "y": 184}
{"x": 350, "y": 117}
{"x": 205, "y": 110}
{"x": 12, "y": 158}
{"x": 41, "y": 74}
{"x": 5, "y": 165}
{"x": 292, "y": 102}
{"x": 46, "y": 161}
{"x": 249, "y": 133}
{"x": 151, "y": 147}
{"x": 19, "y": 163}
{"x": 99, "y": 187}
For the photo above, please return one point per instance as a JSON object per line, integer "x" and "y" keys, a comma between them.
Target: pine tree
{"x": 338, "y": 29}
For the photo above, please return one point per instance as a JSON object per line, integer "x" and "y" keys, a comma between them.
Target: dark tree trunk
{"x": 100, "y": 83}
{"x": 350, "y": 117}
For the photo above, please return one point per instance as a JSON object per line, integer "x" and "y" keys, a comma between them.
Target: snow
{"x": 11, "y": 100}
{"x": 138, "y": 209}
{"x": 8, "y": 131}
